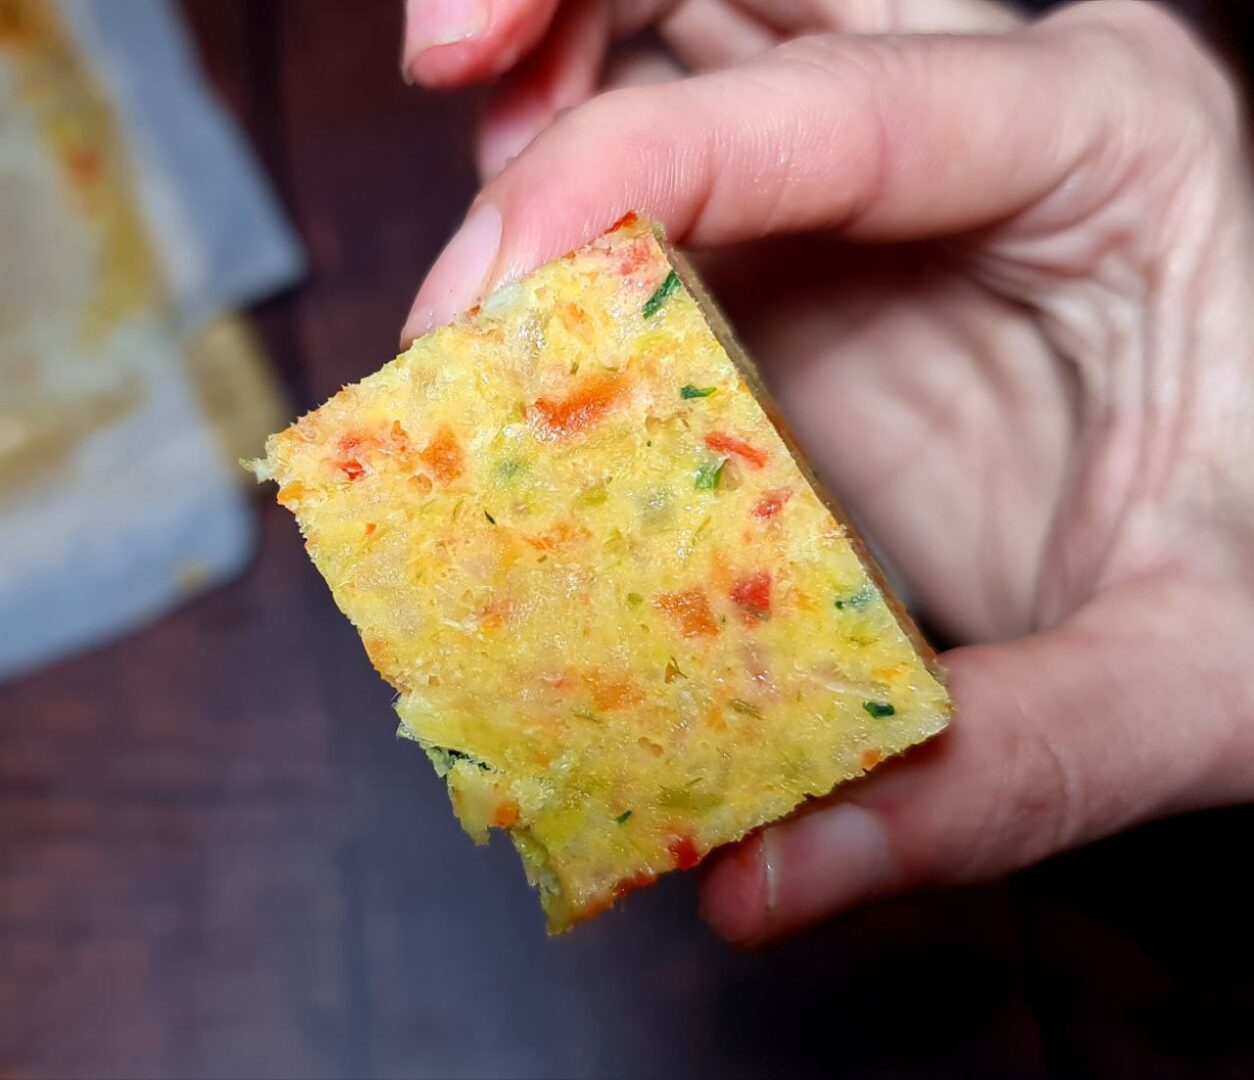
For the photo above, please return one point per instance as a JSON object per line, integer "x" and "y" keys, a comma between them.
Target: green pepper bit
{"x": 508, "y": 468}
{"x": 857, "y": 600}
{"x": 709, "y": 473}
{"x": 654, "y": 304}
{"x": 622, "y": 818}
{"x": 689, "y": 391}
{"x": 878, "y": 709}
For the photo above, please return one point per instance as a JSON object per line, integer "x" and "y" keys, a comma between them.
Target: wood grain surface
{"x": 217, "y": 861}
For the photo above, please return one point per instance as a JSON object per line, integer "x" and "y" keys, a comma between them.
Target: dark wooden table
{"x": 215, "y": 859}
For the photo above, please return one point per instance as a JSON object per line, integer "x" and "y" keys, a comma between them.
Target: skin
{"x": 999, "y": 273}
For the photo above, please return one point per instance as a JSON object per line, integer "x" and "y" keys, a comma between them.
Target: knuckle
{"x": 1146, "y": 55}
{"x": 1034, "y": 800}
{"x": 1043, "y": 795}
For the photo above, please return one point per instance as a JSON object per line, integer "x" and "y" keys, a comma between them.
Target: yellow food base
{"x": 558, "y": 562}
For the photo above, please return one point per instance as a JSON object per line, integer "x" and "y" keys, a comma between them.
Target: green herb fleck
{"x": 623, "y": 817}
{"x": 654, "y": 304}
{"x": 690, "y": 391}
{"x": 635, "y": 599}
{"x": 709, "y": 473}
{"x": 508, "y": 468}
{"x": 857, "y": 600}
{"x": 444, "y": 758}
{"x": 878, "y": 709}
{"x": 745, "y": 708}
{"x": 491, "y": 519}
{"x": 587, "y": 714}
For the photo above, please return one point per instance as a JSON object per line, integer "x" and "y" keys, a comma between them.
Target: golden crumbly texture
{"x": 619, "y": 617}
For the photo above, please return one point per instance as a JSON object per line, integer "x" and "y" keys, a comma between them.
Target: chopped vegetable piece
{"x": 640, "y": 880}
{"x": 509, "y": 468}
{"x": 686, "y": 852}
{"x": 581, "y": 409}
{"x": 445, "y": 758}
{"x": 709, "y": 474}
{"x": 623, "y": 818}
{"x": 771, "y": 503}
{"x": 690, "y": 611}
{"x": 654, "y": 304}
{"x": 444, "y": 456}
{"x": 752, "y": 595}
{"x": 729, "y": 444}
{"x": 689, "y": 391}
{"x": 878, "y": 709}
{"x": 871, "y": 758}
{"x": 856, "y": 600}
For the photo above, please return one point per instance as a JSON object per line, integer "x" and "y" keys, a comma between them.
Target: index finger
{"x": 898, "y": 138}
{"x": 457, "y": 42}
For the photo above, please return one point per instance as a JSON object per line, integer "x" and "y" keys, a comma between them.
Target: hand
{"x": 1000, "y": 280}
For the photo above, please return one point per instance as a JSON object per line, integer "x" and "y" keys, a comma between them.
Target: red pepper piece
{"x": 581, "y": 409}
{"x": 752, "y": 595}
{"x": 771, "y": 503}
{"x": 685, "y": 852}
{"x": 642, "y": 880}
{"x": 723, "y": 443}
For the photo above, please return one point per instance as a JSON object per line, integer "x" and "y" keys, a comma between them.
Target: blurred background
{"x": 215, "y": 858}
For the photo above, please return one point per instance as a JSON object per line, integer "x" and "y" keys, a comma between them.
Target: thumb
{"x": 1112, "y": 718}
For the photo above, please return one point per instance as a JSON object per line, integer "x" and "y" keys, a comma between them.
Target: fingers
{"x": 565, "y": 69}
{"x": 563, "y": 72}
{"x": 884, "y": 16}
{"x": 455, "y": 42}
{"x": 1057, "y": 739}
{"x": 876, "y": 137}
{"x": 644, "y": 67}
{"x": 714, "y": 33}
{"x": 568, "y": 43}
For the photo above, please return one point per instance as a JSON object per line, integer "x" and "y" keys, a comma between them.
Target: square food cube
{"x": 621, "y": 617}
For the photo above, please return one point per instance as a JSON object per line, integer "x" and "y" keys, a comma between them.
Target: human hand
{"x": 999, "y": 280}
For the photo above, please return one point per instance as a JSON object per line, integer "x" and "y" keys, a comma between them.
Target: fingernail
{"x": 460, "y": 275}
{"x": 429, "y": 23}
